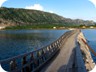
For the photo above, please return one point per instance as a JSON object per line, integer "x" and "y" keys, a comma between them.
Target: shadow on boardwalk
{"x": 70, "y": 67}
{"x": 75, "y": 62}
{"x": 47, "y": 64}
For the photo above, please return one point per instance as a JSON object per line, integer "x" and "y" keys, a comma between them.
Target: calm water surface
{"x": 15, "y": 42}
{"x": 90, "y": 35}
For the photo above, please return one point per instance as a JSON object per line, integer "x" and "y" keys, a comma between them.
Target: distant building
{"x": 2, "y": 27}
{"x": 84, "y": 27}
{"x": 54, "y": 27}
{"x": 62, "y": 27}
{"x": 91, "y": 27}
{"x": 71, "y": 28}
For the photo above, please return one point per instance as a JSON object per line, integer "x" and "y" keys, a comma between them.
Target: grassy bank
{"x": 39, "y": 26}
{"x": 47, "y": 26}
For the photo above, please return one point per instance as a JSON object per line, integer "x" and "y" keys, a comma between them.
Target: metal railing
{"x": 32, "y": 61}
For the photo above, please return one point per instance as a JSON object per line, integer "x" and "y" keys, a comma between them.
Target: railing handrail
{"x": 25, "y": 54}
{"x": 56, "y": 44}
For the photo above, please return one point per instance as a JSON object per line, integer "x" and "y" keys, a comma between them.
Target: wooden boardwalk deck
{"x": 66, "y": 59}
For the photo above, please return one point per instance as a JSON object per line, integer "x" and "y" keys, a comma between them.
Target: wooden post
{"x": 13, "y": 65}
{"x": 31, "y": 60}
{"x": 24, "y": 61}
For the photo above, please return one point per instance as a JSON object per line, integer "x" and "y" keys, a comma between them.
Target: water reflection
{"x": 14, "y": 42}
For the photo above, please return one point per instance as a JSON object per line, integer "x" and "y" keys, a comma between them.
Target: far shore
{"x": 42, "y": 28}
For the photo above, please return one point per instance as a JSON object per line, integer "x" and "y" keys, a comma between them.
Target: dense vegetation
{"x": 23, "y": 18}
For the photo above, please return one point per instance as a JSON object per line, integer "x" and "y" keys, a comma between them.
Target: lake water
{"x": 15, "y": 42}
{"x": 90, "y": 35}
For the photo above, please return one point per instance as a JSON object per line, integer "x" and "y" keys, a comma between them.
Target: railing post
{"x": 24, "y": 61}
{"x": 53, "y": 47}
{"x": 43, "y": 55}
{"x": 37, "y": 59}
{"x": 32, "y": 62}
{"x": 13, "y": 65}
{"x": 46, "y": 52}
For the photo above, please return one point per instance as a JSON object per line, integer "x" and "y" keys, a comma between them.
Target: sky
{"x": 74, "y": 9}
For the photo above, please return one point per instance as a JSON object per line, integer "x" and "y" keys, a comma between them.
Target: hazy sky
{"x": 82, "y": 9}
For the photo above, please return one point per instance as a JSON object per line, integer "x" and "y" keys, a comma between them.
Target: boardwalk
{"x": 66, "y": 54}
{"x": 60, "y": 64}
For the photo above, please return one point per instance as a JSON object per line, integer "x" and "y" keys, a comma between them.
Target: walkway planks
{"x": 65, "y": 59}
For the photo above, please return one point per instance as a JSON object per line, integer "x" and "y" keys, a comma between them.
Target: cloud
{"x": 1, "y": 2}
{"x": 35, "y": 7}
{"x": 38, "y": 7}
{"x": 94, "y": 2}
{"x": 51, "y": 11}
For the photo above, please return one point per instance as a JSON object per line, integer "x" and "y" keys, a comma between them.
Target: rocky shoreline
{"x": 89, "y": 63}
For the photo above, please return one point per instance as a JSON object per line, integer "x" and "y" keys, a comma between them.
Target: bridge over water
{"x": 69, "y": 53}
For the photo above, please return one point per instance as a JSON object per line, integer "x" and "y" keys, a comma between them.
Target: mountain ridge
{"x": 24, "y": 17}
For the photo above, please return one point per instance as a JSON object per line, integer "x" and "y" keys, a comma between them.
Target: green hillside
{"x": 36, "y": 19}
